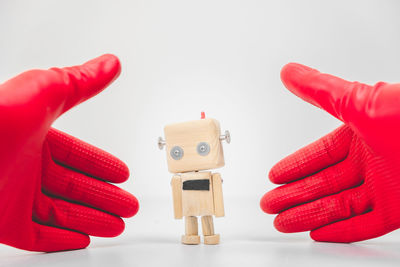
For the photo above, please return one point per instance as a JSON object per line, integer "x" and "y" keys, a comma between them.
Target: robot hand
{"x": 345, "y": 187}
{"x": 53, "y": 189}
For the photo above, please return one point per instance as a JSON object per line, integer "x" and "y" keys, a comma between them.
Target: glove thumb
{"x": 58, "y": 89}
{"x": 82, "y": 82}
{"x": 342, "y": 99}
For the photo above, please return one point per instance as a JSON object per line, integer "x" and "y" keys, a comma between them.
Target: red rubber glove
{"x": 53, "y": 189}
{"x": 345, "y": 187}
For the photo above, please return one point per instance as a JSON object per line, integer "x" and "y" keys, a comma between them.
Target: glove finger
{"x": 79, "y": 83}
{"x": 68, "y": 184}
{"x": 325, "y": 91}
{"x": 343, "y": 175}
{"x": 59, "y": 213}
{"x": 355, "y": 229}
{"x": 49, "y": 239}
{"x": 76, "y": 154}
{"x": 328, "y": 150}
{"x": 59, "y": 89}
{"x": 323, "y": 211}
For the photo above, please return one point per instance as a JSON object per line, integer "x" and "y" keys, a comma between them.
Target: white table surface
{"x": 247, "y": 238}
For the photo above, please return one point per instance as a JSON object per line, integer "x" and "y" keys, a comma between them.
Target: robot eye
{"x": 203, "y": 149}
{"x": 176, "y": 153}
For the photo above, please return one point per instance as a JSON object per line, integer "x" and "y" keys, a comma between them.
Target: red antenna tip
{"x": 203, "y": 115}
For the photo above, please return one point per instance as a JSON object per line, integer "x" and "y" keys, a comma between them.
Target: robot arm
{"x": 217, "y": 194}
{"x": 176, "y": 184}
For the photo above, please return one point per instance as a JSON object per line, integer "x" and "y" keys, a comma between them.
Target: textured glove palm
{"x": 345, "y": 187}
{"x": 50, "y": 198}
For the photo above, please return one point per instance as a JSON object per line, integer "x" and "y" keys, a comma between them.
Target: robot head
{"x": 194, "y": 145}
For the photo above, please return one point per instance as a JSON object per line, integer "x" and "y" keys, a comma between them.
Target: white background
{"x": 222, "y": 57}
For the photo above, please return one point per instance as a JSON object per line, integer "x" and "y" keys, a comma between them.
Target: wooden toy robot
{"x": 194, "y": 147}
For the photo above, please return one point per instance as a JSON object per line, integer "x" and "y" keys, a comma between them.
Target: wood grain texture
{"x": 191, "y": 225}
{"x": 191, "y": 236}
{"x": 176, "y": 184}
{"x": 190, "y": 239}
{"x": 188, "y": 135}
{"x": 207, "y": 225}
{"x": 211, "y": 239}
{"x": 219, "y": 210}
{"x": 197, "y": 202}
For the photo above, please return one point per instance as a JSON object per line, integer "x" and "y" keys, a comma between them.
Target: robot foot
{"x": 211, "y": 239}
{"x": 190, "y": 239}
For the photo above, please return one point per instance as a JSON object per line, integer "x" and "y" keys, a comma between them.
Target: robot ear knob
{"x": 226, "y": 137}
{"x": 161, "y": 143}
